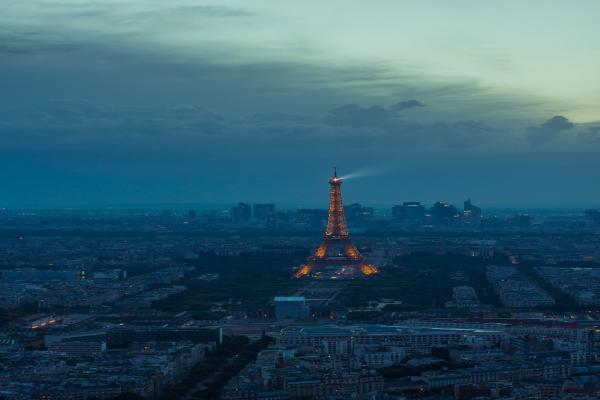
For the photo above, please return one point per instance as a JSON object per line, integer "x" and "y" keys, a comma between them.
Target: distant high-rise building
{"x": 357, "y": 213}
{"x": 192, "y": 215}
{"x": 443, "y": 213}
{"x": 263, "y": 211}
{"x": 241, "y": 213}
{"x": 471, "y": 212}
{"x": 411, "y": 211}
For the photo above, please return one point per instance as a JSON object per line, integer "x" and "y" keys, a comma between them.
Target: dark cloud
{"x": 180, "y": 151}
{"x": 213, "y": 11}
{"x": 29, "y": 43}
{"x": 403, "y": 105}
{"x": 357, "y": 116}
{"x": 387, "y": 121}
{"x": 557, "y": 124}
{"x": 85, "y": 125}
{"x": 130, "y": 56}
{"x": 549, "y": 130}
{"x": 280, "y": 117}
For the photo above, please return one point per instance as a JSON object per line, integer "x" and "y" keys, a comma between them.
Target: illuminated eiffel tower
{"x": 336, "y": 249}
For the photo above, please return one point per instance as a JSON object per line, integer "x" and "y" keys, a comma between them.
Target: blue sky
{"x": 106, "y": 102}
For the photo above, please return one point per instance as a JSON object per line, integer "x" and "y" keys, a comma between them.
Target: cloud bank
{"x": 151, "y": 100}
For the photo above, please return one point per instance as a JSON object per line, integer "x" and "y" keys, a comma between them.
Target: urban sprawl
{"x": 170, "y": 304}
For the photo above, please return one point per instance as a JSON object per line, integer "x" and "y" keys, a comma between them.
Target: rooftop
{"x": 373, "y": 329}
{"x": 289, "y": 298}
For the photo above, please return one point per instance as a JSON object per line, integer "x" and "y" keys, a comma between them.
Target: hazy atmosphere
{"x": 294, "y": 200}
{"x": 147, "y": 102}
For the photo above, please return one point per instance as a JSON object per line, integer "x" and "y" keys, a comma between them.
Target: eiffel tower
{"x": 336, "y": 249}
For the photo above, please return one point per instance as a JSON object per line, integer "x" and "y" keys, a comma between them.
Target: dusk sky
{"x": 153, "y": 102}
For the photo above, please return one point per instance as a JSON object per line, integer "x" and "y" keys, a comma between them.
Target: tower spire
{"x": 335, "y": 172}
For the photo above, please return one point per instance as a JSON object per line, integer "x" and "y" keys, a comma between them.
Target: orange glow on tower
{"x": 368, "y": 269}
{"x": 336, "y": 235}
{"x": 303, "y": 271}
